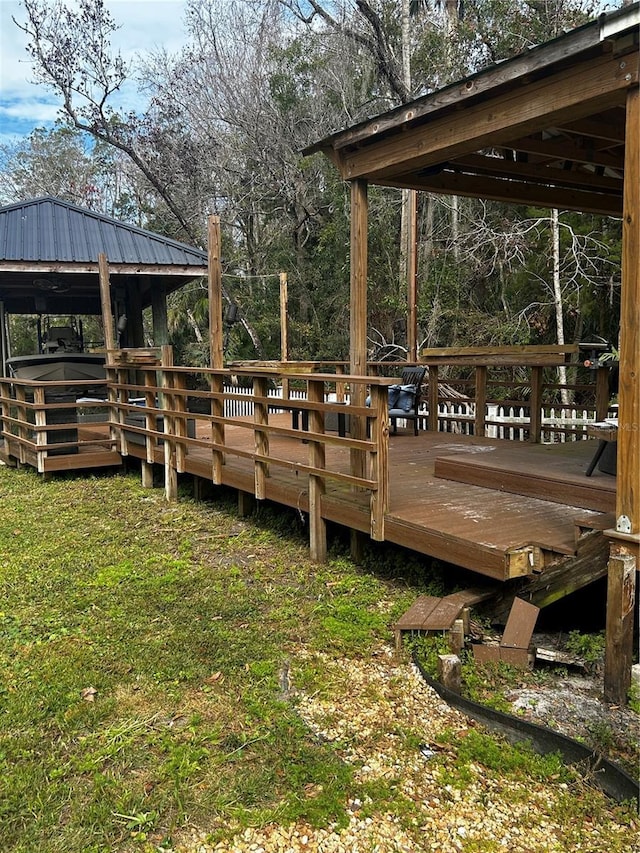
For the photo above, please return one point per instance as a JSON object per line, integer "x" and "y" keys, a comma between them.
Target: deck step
{"x": 430, "y": 613}
{"x": 503, "y": 470}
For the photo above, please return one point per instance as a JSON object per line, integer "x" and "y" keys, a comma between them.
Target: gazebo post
{"x": 358, "y": 330}
{"x": 625, "y": 541}
{"x": 159, "y": 315}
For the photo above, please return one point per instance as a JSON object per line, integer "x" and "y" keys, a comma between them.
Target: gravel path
{"x": 378, "y": 713}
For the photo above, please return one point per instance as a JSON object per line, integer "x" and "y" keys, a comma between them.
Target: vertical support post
{"x": 358, "y": 316}
{"x": 481, "y": 399}
{"x": 380, "y": 437}
{"x": 621, "y": 585}
{"x": 41, "y": 421}
{"x": 3, "y": 340}
{"x": 628, "y": 466}
{"x": 21, "y": 412}
{"x": 284, "y": 330}
{"x": 215, "y": 294}
{"x": 105, "y": 303}
{"x": 412, "y": 279}
{"x": 260, "y": 417}
{"x": 535, "y": 403}
{"x": 180, "y": 421}
{"x": 150, "y": 424}
{"x": 432, "y": 420}
{"x": 135, "y": 332}
{"x": 170, "y": 464}
{"x": 602, "y": 393}
{"x": 159, "y": 317}
{"x": 317, "y": 524}
{"x": 217, "y": 428}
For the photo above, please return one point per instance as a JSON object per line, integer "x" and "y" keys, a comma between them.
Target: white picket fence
{"x": 558, "y": 424}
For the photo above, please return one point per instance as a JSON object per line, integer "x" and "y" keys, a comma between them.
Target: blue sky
{"x": 145, "y": 25}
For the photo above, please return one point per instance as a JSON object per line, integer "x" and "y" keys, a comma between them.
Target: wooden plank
{"x": 520, "y": 624}
{"x": 416, "y": 616}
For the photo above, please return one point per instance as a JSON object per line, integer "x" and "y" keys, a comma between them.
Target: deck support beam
{"x": 621, "y": 587}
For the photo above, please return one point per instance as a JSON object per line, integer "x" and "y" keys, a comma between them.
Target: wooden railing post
{"x": 380, "y": 438}
{"x": 217, "y": 429}
{"x": 150, "y": 423}
{"x": 40, "y": 421}
{"x": 260, "y": 417}
{"x": 481, "y": 399}
{"x": 317, "y": 525}
{"x": 181, "y": 430}
{"x": 535, "y": 410}
{"x": 602, "y": 393}
{"x": 21, "y": 412}
{"x": 170, "y": 464}
{"x": 432, "y": 420}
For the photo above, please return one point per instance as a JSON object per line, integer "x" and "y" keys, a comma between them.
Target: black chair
{"x": 404, "y": 398}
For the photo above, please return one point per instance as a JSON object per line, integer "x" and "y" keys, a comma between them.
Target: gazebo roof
{"x": 545, "y": 128}
{"x": 49, "y": 250}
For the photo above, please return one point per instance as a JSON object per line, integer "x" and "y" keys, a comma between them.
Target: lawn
{"x": 147, "y": 656}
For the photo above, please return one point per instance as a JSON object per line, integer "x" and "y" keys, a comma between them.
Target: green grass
{"x": 142, "y": 652}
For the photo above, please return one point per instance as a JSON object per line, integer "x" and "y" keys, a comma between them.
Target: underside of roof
{"x": 546, "y": 128}
{"x": 49, "y": 258}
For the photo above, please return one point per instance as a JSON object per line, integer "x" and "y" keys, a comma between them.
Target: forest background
{"x": 227, "y": 119}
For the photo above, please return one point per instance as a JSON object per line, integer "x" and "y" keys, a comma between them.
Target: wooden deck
{"x": 488, "y": 528}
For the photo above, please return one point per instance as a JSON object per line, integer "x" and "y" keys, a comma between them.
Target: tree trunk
{"x": 565, "y": 396}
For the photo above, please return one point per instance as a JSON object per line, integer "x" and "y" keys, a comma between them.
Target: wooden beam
{"x": 512, "y": 192}
{"x": 537, "y": 174}
{"x": 578, "y": 92}
{"x": 215, "y": 294}
{"x": 628, "y": 465}
{"x": 561, "y": 148}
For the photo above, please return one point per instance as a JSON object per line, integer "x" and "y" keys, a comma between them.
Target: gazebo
{"x": 50, "y": 264}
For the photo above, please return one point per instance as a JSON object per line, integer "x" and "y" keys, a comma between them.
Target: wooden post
{"x": 432, "y": 420}
{"x": 621, "y": 585}
{"x": 535, "y": 406}
{"x": 628, "y": 466}
{"x": 150, "y": 424}
{"x": 180, "y": 422}
{"x": 260, "y": 417}
{"x": 284, "y": 330}
{"x": 170, "y": 464}
{"x": 215, "y": 294}
{"x": 41, "y": 421}
{"x": 105, "y": 303}
{"x": 317, "y": 524}
{"x": 602, "y": 393}
{"x": 624, "y": 563}
{"x": 358, "y": 315}
{"x": 3, "y": 341}
{"x": 217, "y": 429}
{"x": 481, "y": 399}
{"x": 159, "y": 315}
{"x": 380, "y": 438}
{"x": 412, "y": 279}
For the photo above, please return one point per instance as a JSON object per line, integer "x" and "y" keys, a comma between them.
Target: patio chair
{"x": 404, "y": 398}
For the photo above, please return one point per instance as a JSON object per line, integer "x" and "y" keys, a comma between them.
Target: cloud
{"x": 145, "y": 26}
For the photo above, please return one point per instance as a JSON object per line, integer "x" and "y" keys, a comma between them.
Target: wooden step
{"x": 508, "y": 470}
{"x": 430, "y": 613}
